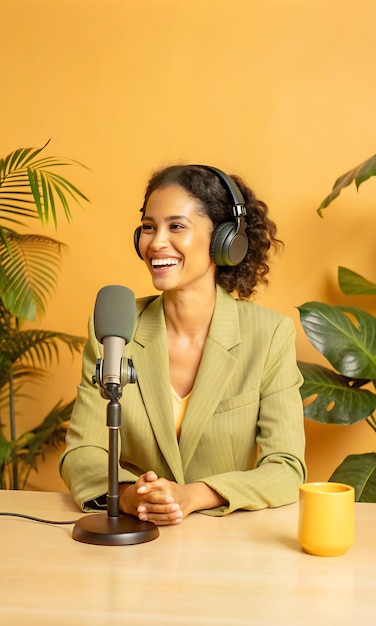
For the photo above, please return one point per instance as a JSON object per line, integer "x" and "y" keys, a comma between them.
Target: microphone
{"x": 114, "y": 319}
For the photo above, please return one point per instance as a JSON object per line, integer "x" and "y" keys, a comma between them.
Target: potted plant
{"x": 30, "y": 188}
{"x": 346, "y": 336}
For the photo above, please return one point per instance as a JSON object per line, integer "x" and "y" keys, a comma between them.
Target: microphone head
{"x": 114, "y": 313}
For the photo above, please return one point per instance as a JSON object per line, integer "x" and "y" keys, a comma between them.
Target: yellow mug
{"x": 326, "y": 518}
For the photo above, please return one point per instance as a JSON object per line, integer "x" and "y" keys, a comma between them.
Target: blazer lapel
{"x": 150, "y": 358}
{"x": 217, "y": 365}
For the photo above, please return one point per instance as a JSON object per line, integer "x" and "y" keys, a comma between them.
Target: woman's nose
{"x": 160, "y": 239}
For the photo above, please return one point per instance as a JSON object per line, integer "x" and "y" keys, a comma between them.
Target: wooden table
{"x": 245, "y": 568}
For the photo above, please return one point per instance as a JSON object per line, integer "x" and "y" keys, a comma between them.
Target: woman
{"x": 215, "y": 420}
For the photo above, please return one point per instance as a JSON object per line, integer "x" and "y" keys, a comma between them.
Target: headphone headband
{"x": 239, "y": 207}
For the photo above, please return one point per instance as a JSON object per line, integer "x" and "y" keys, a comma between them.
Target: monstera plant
{"x": 346, "y": 336}
{"x": 31, "y": 188}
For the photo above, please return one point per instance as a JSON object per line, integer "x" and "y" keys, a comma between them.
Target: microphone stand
{"x": 113, "y": 528}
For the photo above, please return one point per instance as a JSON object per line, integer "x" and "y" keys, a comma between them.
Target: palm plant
{"x": 31, "y": 188}
{"x": 346, "y": 336}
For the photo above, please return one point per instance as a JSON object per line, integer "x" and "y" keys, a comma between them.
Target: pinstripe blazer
{"x": 242, "y": 433}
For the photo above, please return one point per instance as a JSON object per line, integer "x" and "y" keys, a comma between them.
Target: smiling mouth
{"x": 168, "y": 262}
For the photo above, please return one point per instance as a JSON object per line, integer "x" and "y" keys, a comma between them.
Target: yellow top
{"x": 179, "y": 406}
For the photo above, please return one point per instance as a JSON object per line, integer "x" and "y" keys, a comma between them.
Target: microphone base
{"x": 100, "y": 529}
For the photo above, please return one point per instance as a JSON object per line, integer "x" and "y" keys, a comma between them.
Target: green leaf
{"x": 354, "y": 284}
{"x": 31, "y": 445}
{"x": 359, "y": 174}
{"x": 365, "y": 170}
{"x": 30, "y": 186}
{"x": 36, "y": 347}
{"x": 18, "y": 159}
{"x": 34, "y": 186}
{"x": 28, "y": 272}
{"x": 358, "y": 470}
{"x": 330, "y": 398}
{"x": 6, "y": 449}
{"x": 346, "y": 336}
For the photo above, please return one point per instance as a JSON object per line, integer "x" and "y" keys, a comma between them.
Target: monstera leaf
{"x": 346, "y": 336}
{"x": 358, "y": 470}
{"x": 331, "y": 398}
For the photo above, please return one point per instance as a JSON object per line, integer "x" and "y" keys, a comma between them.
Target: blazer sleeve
{"x": 280, "y": 466}
{"x": 84, "y": 463}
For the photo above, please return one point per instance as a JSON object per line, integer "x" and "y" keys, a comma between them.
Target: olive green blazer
{"x": 242, "y": 432}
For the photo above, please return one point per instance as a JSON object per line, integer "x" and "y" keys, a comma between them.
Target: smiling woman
{"x": 215, "y": 421}
{"x": 175, "y": 241}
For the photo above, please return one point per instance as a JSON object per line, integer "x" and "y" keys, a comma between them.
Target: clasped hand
{"x": 165, "y": 502}
{"x": 155, "y": 499}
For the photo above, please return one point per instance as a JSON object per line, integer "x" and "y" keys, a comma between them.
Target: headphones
{"x": 229, "y": 242}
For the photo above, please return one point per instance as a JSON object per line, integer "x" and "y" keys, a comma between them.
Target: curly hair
{"x": 215, "y": 201}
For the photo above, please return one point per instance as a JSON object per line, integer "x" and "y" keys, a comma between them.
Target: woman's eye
{"x": 150, "y": 228}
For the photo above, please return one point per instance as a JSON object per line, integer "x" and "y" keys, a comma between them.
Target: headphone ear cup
{"x": 136, "y": 239}
{"x": 218, "y": 242}
{"x": 228, "y": 247}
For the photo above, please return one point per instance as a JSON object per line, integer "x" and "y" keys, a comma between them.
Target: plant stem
{"x": 12, "y": 418}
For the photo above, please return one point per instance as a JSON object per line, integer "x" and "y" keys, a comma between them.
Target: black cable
{"x": 37, "y": 519}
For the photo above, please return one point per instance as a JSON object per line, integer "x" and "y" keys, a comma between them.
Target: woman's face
{"x": 175, "y": 240}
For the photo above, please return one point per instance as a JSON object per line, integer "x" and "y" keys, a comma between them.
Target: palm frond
{"x": 31, "y": 445}
{"x": 18, "y": 159}
{"x": 36, "y": 347}
{"x": 28, "y": 272}
{"x": 29, "y": 188}
{"x": 21, "y": 374}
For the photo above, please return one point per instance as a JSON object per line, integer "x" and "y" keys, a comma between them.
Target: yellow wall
{"x": 280, "y": 91}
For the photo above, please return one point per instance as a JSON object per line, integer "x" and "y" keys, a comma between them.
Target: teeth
{"x": 162, "y": 262}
